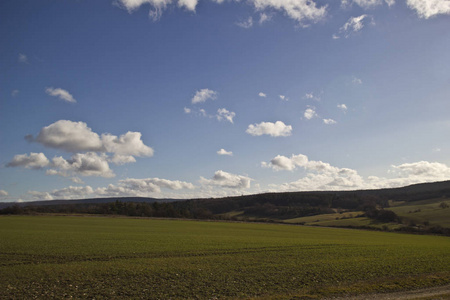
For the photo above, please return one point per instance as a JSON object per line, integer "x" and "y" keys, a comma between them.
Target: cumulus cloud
{"x": 61, "y": 94}
{"x": 157, "y": 6}
{"x": 429, "y": 8}
{"x": 246, "y": 24}
{"x": 342, "y": 107}
{"x": 77, "y": 136}
{"x": 22, "y": 58}
{"x": 129, "y": 143}
{"x": 261, "y": 94}
{"x": 273, "y": 129}
{"x": 353, "y": 25}
{"x": 224, "y": 152}
{"x": 69, "y": 136}
{"x": 228, "y": 180}
{"x": 329, "y": 121}
{"x": 187, "y": 110}
{"x": 311, "y": 96}
{"x": 323, "y": 176}
{"x": 32, "y": 161}
{"x": 122, "y": 159}
{"x": 142, "y": 187}
{"x": 86, "y": 164}
{"x": 224, "y": 114}
{"x": 203, "y": 95}
{"x": 3, "y": 193}
{"x": 310, "y": 113}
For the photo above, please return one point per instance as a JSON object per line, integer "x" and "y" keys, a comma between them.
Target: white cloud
{"x": 356, "y": 80}
{"x": 188, "y": 4}
{"x": 246, "y": 24}
{"x": 129, "y": 143}
{"x": 261, "y": 94}
{"x": 32, "y": 161}
{"x": 311, "y": 96}
{"x": 429, "y": 8}
{"x": 77, "y": 180}
{"x": 157, "y": 5}
{"x": 224, "y": 152}
{"x": 366, "y": 4}
{"x": 298, "y": 10}
{"x": 187, "y": 110}
{"x": 71, "y": 192}
{"x": 203, "y": 95}
{"x": 142, "y": 187}
{"x": 86, "y": 164}
{"x": 323, "y": 176}
{"x": 273, "y": 129}
{"x": 310, "y": 113}
{"x": 61, "y": 94}
{"x": 263, "y": 17}
{"x": 329, "y": 121}
{"x": 3, "y": 193}
{"x": 122, "y": 159}
{"x": 77, "y": 136}
{"x": 69, "y": 136}
{"x": 225, "y": 179}
{"x": 14, "y": 93}
{"x": 223, "y": 113}
{"x": 22, "y": 58}
{"x": 353, "y": 25}
{"x": 342, "y": 107}
{"x": 283, "y": 97}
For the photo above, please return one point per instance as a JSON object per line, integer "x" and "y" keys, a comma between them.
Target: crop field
{"x": 99, "y": 257}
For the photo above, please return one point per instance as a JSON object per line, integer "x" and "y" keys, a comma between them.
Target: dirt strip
{"x": 435, "y": 293}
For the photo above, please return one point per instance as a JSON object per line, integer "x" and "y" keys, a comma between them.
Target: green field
{"x": 98, "y": 257}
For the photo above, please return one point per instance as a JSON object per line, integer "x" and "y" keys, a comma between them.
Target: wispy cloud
{"x": 203, "y": 95}
{"x": 61, "y": 94}
{"x": 22, "y": 58}
{"x": 246, "y": 24}
{"x": 353, "y": 25}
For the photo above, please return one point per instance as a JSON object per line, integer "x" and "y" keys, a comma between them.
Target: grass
{"x": 87, "y": 257}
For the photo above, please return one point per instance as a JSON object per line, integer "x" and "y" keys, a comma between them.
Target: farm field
{"x": 101, "y": 257}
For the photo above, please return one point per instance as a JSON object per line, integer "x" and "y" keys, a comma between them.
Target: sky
{"x": 212, "y": 98}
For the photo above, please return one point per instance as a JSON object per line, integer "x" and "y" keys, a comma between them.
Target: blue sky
{"x": 191, "y": 98}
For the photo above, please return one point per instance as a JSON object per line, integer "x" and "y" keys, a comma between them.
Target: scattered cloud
{"x": 353, "y": 25}
{"x": 224, "y": 114}
{"x": 300, "y": 10}
{"x": 311, "y": 96}
{"x": 263, "y": 18}
{"x": 187, "y": 110}
{"x": 22, "y": 58}
{"x": 157, "y": 6}
{"x": 32, "y": 161}
{"x": 71, "y": 192}
{"x": 310, "y": 113}
{"x": 283, "y": 97}
{"x": 61, "y": 94}
{"x": 119, "y": 159}
{"x": 342, "y": 107}
{"x": 203, "y": 95}
{"x": 246, "y": 24}
{"x": 225, "y": 179}
{"x": 261, "y": 94}
{"x": 188, "y": 4}
{"x": 366, "y": 4}
{"x": 329, "y": 121}
{"x": 356, "y": 80}
{"x": 429, "y": 8}
{"x": 3, "y": 193}
{"x": 129, "y": 143}
{"x": 273, "y": 129}
{"x": 224, "y": 152}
